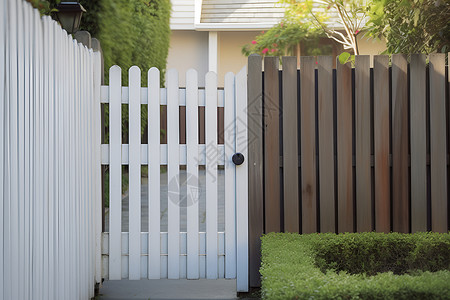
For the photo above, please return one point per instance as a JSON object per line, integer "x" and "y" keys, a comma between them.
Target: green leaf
{"x": 343, "y": 57}
{"x": 416, "y": 16}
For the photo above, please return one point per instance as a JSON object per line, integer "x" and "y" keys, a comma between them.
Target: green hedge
{"x": 134, "y": 32}
{"x": 328, "y": 266}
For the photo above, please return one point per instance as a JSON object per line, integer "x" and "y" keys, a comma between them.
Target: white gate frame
{"x": 174, "y": 254}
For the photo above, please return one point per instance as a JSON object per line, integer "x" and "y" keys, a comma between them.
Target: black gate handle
{"x": 238, "y": 158}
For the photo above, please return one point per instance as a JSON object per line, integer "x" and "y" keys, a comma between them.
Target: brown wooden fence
{"x": 347, "y": 149}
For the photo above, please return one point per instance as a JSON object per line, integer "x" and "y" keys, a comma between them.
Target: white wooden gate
{"x": 174, "y": 254}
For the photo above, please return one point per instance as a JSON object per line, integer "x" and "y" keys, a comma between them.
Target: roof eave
{"x": 233, "y": 26}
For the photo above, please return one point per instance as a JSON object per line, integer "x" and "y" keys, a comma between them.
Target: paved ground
{"x": 164, "y": 199}
{"x": 168, "y": 289}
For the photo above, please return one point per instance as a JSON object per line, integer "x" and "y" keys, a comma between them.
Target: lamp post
{"x": 69, "y": 15}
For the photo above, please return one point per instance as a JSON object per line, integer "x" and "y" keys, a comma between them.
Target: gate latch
{"x": 238, "y": 158}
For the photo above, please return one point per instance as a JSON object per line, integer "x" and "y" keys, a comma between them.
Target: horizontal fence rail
{"x": 200, "y": 134}
{"x": 351, "y": 149}
{"x": 50, "y": 184}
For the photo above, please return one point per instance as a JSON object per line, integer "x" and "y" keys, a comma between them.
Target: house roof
{"x": 225, "y": 14}
{"x": 232, "y": 15}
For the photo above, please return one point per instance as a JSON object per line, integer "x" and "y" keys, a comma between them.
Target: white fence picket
{"x": 242, "y": 182}
{"x": 173, "y": 174}
{"x": 3, "y": 20}
{"x": 192, "y": 180}
{"x": 154, "y": 242}
{"x": 21, "y": 143}
{"x": 38, "y": 232}
{"x": 115, "y": 174}
{"x": 230, "y": 177}
{"x": 211, "y": 174}
{"x": 97, "y": 174}
{"x": 134, "y": 194}
{"x": 59, "y": 187}
{"x": 28, "y": 150}
{"x": 13, "y": 137}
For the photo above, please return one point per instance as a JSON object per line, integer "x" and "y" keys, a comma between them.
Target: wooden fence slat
{"x": 326, "y": 144}
{"x": 418, "y": 143}
{"x": 21, "y": 146}
{"x": 400, "y": 195}
{"x": 362, "y": 124}
{"x": 381, "y": 143}
{"x": 154, "y": 177}
{"x": 65, "y": 166}
{"x": 134, "y": 173}
{"x": 290, "y": 146}
{"x": 29, "y": 150}
{"x": 438, "y": 145}
{"x": 98, "y": 176}
{"x": 344, "y": 147}
{"x": 60, "y": 163}
{"x": 211, "y": 174}
{"x": 71, "y": 170}
{"x": 255, "y": 163}
{"x": 242, "y": 186}
{"x": 308, "y": 144}
{"x": 173, "y": 175}
{"x": 271, "y": 145}
{"x": 12, "y": 219}
{"x": 230, "y": 176}
{"x": 115, "y": 174}
{"x": 4, "y": 18}
{"x": 192, "y": 173}
{"x": 78, "y": 177}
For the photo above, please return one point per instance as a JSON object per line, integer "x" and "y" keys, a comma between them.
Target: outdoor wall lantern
{"x": 69, "y": 15}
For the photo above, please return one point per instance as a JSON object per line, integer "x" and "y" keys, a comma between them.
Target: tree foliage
{"x": 282, "y": 39}
{"x": 306, "y": 21}
{"x": 135, "y": 32}
{"x": 412, "y": 26}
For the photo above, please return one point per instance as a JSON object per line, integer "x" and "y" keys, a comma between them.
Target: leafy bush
{"x": 373, "y": 253}
{"x": 413, "y": 26}
{"x": 134, "y": 32}
{"x": 294, "y": 266}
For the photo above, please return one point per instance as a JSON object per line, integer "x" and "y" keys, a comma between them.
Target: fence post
{"x": 255, "y": 166}
{"x": 83, "y": 37}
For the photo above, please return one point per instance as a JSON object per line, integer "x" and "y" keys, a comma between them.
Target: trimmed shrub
{"x": 135, "y": 32}
{"x": 299, "y": 267}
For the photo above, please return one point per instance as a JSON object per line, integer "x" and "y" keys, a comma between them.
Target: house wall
{"x": 182, "y": 16}
{"x": 189, "y": 49}
{"x": 370, "y": 46}
{"x": 231, "y": 58}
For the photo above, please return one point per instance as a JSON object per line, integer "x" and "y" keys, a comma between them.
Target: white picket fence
{"x": 174, "y": 254}
{"x": 50, "y": 225}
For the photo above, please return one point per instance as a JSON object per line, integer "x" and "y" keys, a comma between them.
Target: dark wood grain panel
{"x": 438, "y": 145}
{"x": 400, "y": 187}
{"x": 271, "y": 145}
{"x": 344, "y": 147}
{"x": 255, "y": 167}
{"x": 418, "y": 143}
{"x": 381, "y": 143}
{"x": 290, "y": 145}
{"x": 362, "y": 127}
{"x": 308, "y": 144}
{"x": 326, "y": 144}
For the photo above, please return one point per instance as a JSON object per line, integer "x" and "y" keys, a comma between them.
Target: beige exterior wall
{"x": 189, "y": 49}
{"x": 231, "y": 58}
{"x": 370, "y": 46}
